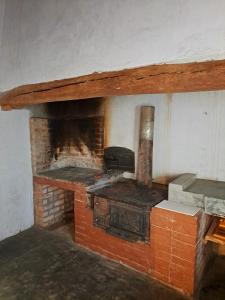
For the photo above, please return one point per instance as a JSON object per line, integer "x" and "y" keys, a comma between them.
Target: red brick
{"x": 183, "y": 250}
{"x": 184, "y": 227}
{"x": 185, "y": 224}
{"x": 188, "y": 265}
{"x": 160, "y": 233}
{"x": 186, "y": 238}
{"x": 161, "y": 266}
{"x": 181, "y": 279}
{"x": 109, "y": 254}
{"x": 160, "y": 245}
{"x": 159, "y": 276}
{"x": 80, "y": 205}
{"x": 162, "y": 212}
{"x": 134, "y": 265}
{"x": 80, "y": 228}
{"x": 161, "y": 254}
{"x": 160, "y": 239}
{"x": 80, "y": 218}
{"x": 161, "y": 220}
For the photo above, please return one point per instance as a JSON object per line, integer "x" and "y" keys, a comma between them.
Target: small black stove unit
{"x": 123, "y": 208}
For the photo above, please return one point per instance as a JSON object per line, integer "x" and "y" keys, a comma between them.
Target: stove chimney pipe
{"x": 145, "y": 151}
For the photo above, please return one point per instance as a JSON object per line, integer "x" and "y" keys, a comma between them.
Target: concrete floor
{"x": 66, "y": 231}
{"x": 41, "y": 265}
{"x": 213, "y": 287}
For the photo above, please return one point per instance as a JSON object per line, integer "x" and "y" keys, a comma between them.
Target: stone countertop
{"x": 203, "y": 193}
{"x": 84, "y": 176}
{"x": 209, "y": 188}
{"x": 178, "y": 208}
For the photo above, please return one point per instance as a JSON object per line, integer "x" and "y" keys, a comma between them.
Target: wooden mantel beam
{"x": 153, "y": 79}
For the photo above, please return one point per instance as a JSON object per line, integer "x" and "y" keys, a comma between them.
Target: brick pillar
{"x": 177, "y": 241}
{"x": 52, "y": 205}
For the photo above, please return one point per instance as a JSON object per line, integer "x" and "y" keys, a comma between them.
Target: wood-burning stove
{"x": 123, "y": 208}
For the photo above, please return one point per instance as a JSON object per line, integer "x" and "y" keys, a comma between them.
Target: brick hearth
{"x": 176, "y": 253}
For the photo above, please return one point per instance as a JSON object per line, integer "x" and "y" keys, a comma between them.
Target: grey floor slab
{"x": 214, "y": 280}
{"x": 41, "y": 265}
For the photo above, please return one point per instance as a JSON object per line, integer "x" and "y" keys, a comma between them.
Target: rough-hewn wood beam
{"x": 166, "y": 78}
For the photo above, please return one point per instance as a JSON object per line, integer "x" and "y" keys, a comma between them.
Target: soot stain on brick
{"x": 76, "y": 126}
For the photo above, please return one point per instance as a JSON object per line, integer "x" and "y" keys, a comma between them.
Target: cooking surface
{"x": 73, "y": 174}
{"x": 125, "y": 190}
{"x": 128, "y": 191}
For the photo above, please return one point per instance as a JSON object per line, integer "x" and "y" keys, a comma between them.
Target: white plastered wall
{"x": 54, "y": 39}
{"x": 16, "y": 205}
{"x": 188, "y": 132}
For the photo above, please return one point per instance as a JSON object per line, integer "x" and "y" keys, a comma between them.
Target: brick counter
{"x": 175, "y": 254}
{"x": 172, "y": 254}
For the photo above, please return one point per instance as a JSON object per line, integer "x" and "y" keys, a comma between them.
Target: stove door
{"x": 101, "y": 212}
{"x": 128, "y": 221}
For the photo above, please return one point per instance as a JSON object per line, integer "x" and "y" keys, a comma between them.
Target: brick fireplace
{"x": 69, "y": 134}
{"x": 69, "y": 167}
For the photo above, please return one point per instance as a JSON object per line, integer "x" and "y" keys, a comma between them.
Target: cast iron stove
{"x": 123, "y": 208}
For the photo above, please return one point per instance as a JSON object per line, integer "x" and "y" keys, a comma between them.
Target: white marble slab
{"x": 179, "y": 208}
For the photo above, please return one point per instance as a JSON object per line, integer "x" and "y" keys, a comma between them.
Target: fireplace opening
{"x": 69, "y": 134}
{"x": 76, "y": 142}
{"x": 64, "y": 135}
